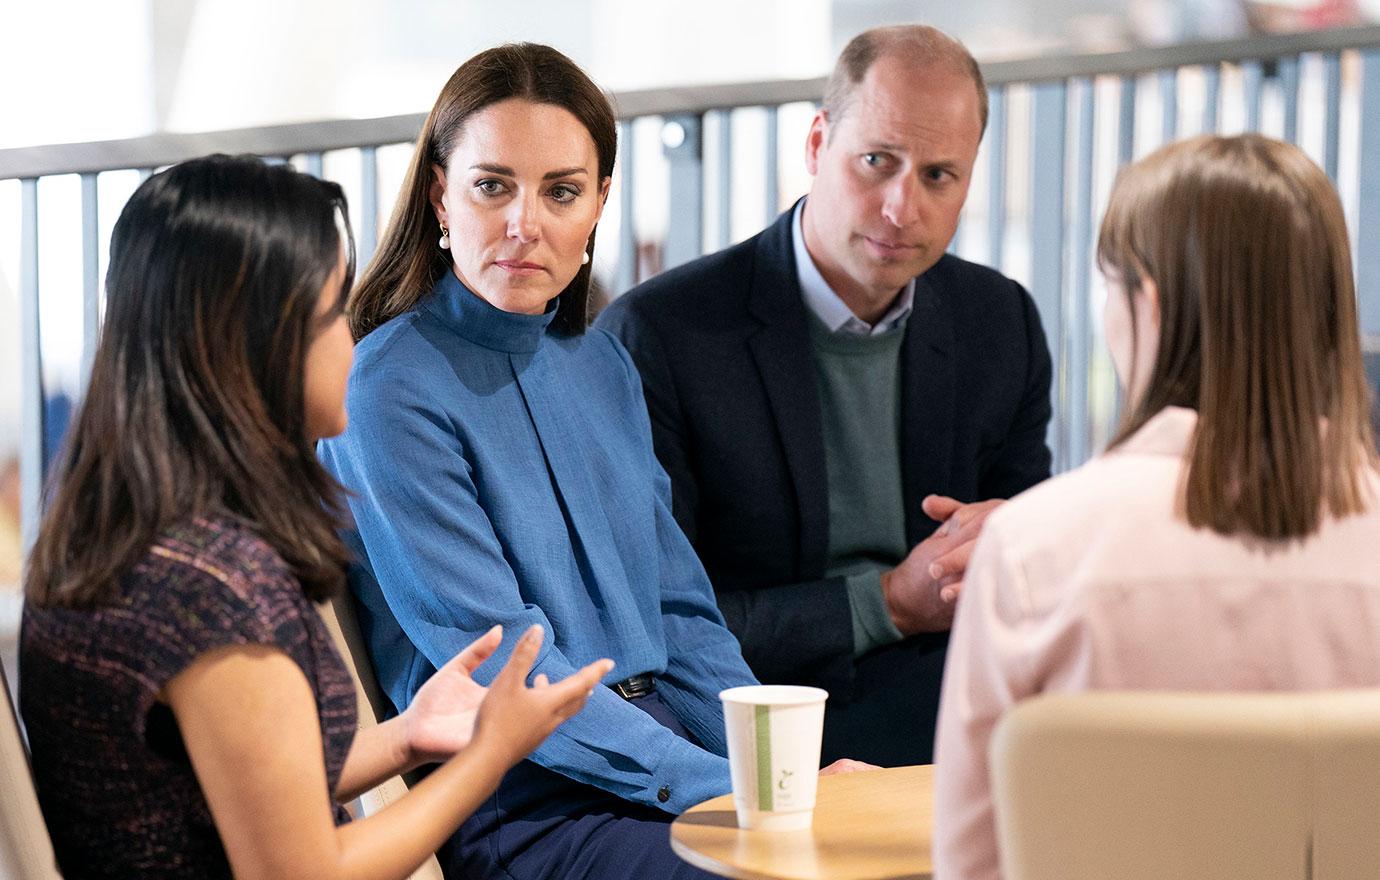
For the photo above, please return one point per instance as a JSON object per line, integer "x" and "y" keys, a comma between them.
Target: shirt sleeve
{"x": 872, "y": 623}
{"x": 440, "y": 566}
{"x": 986, "y": 672}
{"x": 702, "y": 656}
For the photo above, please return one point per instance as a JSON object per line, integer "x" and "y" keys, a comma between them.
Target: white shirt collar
{"x": 826, "y": 305}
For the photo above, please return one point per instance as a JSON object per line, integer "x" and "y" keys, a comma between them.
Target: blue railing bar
{"x": 1049, "y": 131}
{"x": 368, "y": 203}
{"x": 1289, "y": 90}
{"x": 1332, "y": 112}
{"x": 771, "y": 171}
{"x": 725, "y": 181}
{"x": 1169, "y": 104}
{"x": 90, "y": 274}
{"x": 1212, "y": 95}
{"x": 996, "y": 175}
{"x": 32, "y": 467}
{"x": 1368, "y": 204}
{"x": 1252, "y": 76}
{"x": 1126, "y": 121}
{"x": 315, "y": 165}
{"x": 1080, "y": 324}
{"x": 625, "y": 274}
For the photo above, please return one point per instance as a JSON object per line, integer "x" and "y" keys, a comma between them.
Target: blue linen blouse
{"x": 503, "y": 473}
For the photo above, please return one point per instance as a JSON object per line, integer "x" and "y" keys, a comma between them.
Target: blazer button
{"x": 663, "y": 794}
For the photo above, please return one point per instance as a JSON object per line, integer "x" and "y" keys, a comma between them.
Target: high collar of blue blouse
{"x": 486, "y": 325}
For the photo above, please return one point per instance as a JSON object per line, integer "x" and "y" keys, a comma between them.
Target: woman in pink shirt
{"x": 1226, "y": 539}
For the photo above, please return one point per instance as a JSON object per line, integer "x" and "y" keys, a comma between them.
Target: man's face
{"x": 890, "y": 177}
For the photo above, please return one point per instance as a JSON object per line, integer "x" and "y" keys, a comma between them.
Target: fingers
{"x": 473, "y": 655}
{"x": 847, "y": 765}
{"x": 939, "y": 507}
{"x": 524, "y": 655}
{"x": 954, "y": 563}
{"x": 950, "y": 592}
{"x": 570, "y": 694}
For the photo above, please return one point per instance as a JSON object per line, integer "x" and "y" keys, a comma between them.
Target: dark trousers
{"x": 895, "y": 700}
{"x": 540, "y": 825}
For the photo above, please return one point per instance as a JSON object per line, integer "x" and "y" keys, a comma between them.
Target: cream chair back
{"x": 340, "y": 619}
{"x": 26, "y": 850}
{"x": 1136, "y": 785}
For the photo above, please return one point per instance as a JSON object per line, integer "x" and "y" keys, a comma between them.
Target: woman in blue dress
{"x": 501, "y": 463}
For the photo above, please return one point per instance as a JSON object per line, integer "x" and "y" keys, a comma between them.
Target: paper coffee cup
{"x": 774, "y": 734}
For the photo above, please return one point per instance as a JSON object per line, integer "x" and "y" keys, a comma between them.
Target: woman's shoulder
{"x": 213, "y": 561}
{"x": 1109, "y": 489}
{"x": 597, "y": 350}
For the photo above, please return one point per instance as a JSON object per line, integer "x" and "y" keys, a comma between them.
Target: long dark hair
{"x": 1245, "y": 239}
{"x": 408, "y": 263}
{"x": 195, "y": 405}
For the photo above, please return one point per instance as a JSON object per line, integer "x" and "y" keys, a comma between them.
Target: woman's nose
{"x": 522, "y": 220}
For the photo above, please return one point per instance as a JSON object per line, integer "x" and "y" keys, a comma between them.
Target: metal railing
{"x": 1059, "y": 128}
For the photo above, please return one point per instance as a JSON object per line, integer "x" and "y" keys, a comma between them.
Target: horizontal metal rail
{"x": 156, "y": 150}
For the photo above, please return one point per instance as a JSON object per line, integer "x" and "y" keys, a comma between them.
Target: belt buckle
{"x": 634, "y": 686}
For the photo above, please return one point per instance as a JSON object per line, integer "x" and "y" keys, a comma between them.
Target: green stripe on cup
{"x": 764, "y": 792}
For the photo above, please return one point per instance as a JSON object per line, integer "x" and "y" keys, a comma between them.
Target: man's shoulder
{"x": 953, "y": 275}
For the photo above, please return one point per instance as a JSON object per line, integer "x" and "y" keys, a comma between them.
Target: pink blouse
{"x": 1091, "y": 581}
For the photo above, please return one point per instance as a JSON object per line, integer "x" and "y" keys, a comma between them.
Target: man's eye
{"x": 874, "y": 160}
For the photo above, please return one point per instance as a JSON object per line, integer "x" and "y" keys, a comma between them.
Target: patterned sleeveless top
{"x": 113, "y": 776}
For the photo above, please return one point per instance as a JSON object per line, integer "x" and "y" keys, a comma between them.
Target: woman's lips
{"x": 518, "y": 267}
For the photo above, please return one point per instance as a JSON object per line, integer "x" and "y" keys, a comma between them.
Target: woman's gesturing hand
{"x": 440, "y": 720}
{"x": 515, "y": 718}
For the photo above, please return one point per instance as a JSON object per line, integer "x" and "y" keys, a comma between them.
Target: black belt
{"x": 635, "y": 686}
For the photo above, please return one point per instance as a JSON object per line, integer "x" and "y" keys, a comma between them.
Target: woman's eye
{"x": 563, "y": 193}
{"x": 489, "y": 187}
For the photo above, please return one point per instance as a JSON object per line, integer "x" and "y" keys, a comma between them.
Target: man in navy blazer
{"x": 839, "y": 403}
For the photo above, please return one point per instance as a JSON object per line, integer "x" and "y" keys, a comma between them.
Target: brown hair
{"x": 196, "y": 404}
{"x": 408, "y": 263}
{"x": 918, "y": 44}
{"x": 1246, "y": 243}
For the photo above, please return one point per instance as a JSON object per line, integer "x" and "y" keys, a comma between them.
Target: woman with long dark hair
{"x": 187, "y": 713}
{"x": 1226, "y": 539}
{"x": 503, "y": 465}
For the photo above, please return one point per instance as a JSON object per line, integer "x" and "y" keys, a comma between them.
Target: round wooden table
{"x": 873, "y": 825}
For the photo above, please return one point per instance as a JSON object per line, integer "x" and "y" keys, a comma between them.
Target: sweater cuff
{"x": 872, "y": 623}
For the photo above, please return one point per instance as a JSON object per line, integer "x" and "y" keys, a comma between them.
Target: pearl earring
{"x": 445, "y": 238}
{"x": 584, "y": 258}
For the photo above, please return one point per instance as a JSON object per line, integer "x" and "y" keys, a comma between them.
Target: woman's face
{"x": 520, "y": 196}
{"x": 327, "y": 368}
{"x": 1133, "y": 345}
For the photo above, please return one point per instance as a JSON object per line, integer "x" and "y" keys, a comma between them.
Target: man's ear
{"x": 437, "y": 195}
{"x": 815, "y": 140}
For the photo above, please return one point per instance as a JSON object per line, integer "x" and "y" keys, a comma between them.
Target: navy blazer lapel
{"x": 785, "y": 361}
{"x": 927, "y": 403}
